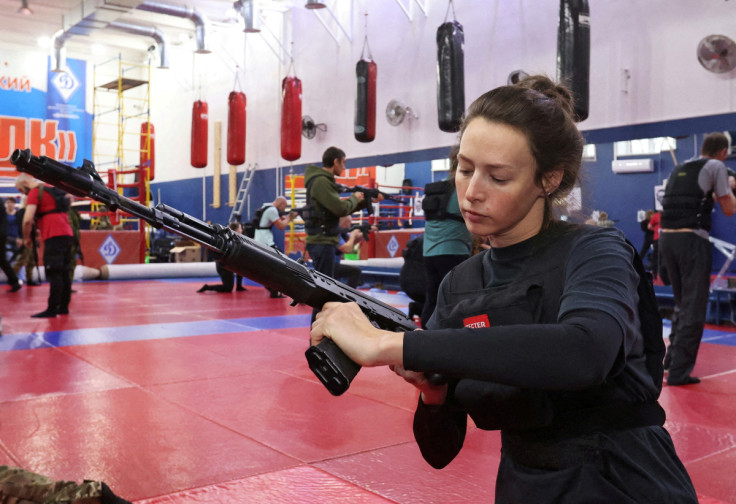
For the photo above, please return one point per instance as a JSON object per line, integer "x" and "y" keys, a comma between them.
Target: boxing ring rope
{"x": 729, "y": 250}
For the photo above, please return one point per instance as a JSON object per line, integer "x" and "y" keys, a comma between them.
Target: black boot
{"x": 47, "y": 313}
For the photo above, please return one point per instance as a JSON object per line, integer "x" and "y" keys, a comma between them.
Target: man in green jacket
{"x": 323, "y": 198}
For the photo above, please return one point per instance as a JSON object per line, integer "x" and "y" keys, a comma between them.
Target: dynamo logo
{"x": 393, "y": 246}
{"x": 65, "y": 83}
{"x": 109, "y": 250}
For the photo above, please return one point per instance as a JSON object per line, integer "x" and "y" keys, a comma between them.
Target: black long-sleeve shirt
{"x": 597, "y": 325}
{"x": 596, "y": 337}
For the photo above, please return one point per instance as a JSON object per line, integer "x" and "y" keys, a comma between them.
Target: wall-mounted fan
{"x": 516, "y": 76}
{"x": 396, "y": 112}
{"x": 717, "y": 53}
{"x": 309, "y": 127}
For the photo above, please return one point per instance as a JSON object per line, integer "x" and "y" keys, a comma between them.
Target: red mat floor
{"x": 171, "y": 396}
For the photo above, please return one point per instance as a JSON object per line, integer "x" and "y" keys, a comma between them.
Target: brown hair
{"x": 331, "y": 155}
{"x": 714, "y": 143}
{"x": 544, "y": 112}
{"x": 454, "y": 151}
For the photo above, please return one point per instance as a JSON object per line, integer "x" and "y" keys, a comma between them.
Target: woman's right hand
{"x": 431, "y": 394}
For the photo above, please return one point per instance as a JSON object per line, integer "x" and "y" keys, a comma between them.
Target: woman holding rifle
{"x": 543, "y": 336}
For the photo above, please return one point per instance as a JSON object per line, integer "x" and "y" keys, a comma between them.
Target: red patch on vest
{"x": 477, "y": 321}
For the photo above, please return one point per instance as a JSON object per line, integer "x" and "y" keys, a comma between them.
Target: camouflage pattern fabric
{"x": 18, "y": 486}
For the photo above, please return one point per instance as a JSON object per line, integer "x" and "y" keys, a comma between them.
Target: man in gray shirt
{"x": 690, "y": 195}
{"x": 270, "y": 215}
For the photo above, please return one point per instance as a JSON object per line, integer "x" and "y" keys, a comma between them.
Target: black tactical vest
{"x": 535, "y": 299}
{"x": 685, "y": 205}
{"x": 317, "y": 220}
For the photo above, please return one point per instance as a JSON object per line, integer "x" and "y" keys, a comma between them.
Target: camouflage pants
{"x": 18, "y": 486}
{"x": 26, "y": 257}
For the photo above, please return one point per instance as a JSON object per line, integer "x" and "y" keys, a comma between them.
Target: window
{"x": 644, "y": 146}
{"x": 589, "y": 153}
{"x": 440, "y": 165}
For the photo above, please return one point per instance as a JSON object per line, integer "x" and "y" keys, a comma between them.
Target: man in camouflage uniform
{"x": 18, "y": 486}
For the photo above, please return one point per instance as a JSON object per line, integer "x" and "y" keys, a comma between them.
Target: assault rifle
{"x": 297, "y": 210}
{"x": 731, "y": 173}
{"x": 369, "y": 193}
{"x": 364, "y": 228}
{"x": 237, "y": 253}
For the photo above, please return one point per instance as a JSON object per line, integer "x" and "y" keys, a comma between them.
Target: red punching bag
{"x": 291, "y": 119}
{"x": 199, "y": 134}
{"x": 365, "y": 101}
{"x": 148, "y": 150}
{"x": 236, "y": 128}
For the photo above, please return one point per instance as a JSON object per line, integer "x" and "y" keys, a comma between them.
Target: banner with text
{"x": 42, "y": 110}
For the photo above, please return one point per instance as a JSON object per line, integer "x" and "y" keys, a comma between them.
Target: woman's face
{"x": 498, "y": 196}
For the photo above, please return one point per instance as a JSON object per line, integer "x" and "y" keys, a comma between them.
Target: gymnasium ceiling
{"x": 50, "y": 16}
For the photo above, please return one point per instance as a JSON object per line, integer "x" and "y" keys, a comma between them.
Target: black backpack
{"x": 436, "y": 197}
{"x": 651, "y": 322}
{"x": 249, "y": 228}
{"x": 411, "y": 276}
{"x": 60, "y": 199}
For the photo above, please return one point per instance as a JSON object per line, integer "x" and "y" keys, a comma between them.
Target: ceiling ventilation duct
{"x": 182, "y": 11}
{"x": 60, "y": 38}
{"x": 93, "y": 15}
{"x": 146, "y": 31}
{"x": 245, "y": 8}
{"x": 58, "y": 59}
{"x": 83, "y": 19}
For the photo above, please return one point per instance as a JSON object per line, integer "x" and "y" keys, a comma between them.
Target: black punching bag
{"x": 365, "y": 100}
{"x": 450, "y": 75}
{"x": 573, "y": 52}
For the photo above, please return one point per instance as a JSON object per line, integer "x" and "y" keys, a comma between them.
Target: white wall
{"x": 655, "y": 40}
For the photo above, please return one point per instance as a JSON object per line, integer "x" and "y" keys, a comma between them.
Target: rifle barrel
{"x": 85, "y": 182}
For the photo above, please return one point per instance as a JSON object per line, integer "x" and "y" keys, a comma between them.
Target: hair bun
{"x": 557, "y": 92}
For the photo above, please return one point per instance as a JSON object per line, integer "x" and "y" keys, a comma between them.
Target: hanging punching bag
{"x": 365, "y": 101}
{"x": 450, "y": 75}
{"x": 236, "y": 128}
{"x": 573, "y": 52}
{"x": 148, "y": 149}
{"x": 291, "y": 119}
{"x": 199, "y": 134}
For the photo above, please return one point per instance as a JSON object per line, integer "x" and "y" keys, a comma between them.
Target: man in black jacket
{"x": 4, "y": 265}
